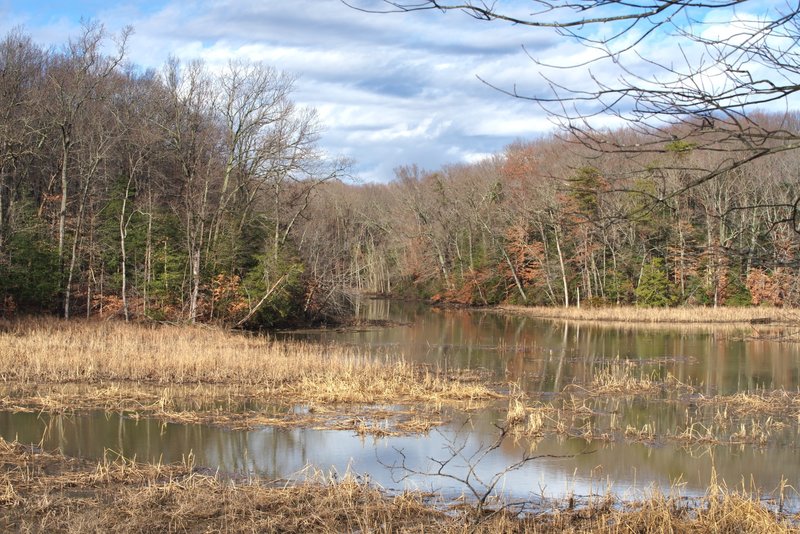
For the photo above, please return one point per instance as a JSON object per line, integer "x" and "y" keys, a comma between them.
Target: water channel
{"x": 544, "y": 357}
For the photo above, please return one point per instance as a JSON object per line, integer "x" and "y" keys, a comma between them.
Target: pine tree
{"x": 655, "y": 288}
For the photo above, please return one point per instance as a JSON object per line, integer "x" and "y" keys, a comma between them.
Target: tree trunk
{"x": 4, "y": 199}
{"x": 563, "y": 270}
{"x": 123, "y": 232}
{"x": 148, "y": 253}
{"x": 195, "y": 289}
{"x": 74, "y": 255}
{"x": 62, "y": 213}
{"x": 514, "y": 274}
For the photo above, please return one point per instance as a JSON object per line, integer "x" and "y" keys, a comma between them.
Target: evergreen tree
{"x": 655, "y": 288}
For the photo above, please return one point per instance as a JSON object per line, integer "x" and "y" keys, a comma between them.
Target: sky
{"x": 390, "y": 90}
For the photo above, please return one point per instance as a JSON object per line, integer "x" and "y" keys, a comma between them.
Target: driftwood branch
{"x": 255, "y": 308}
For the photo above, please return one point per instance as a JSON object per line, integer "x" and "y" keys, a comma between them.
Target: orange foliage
{"x": 685, "y": 264}
{"x": 528, "y": 258}
{"x": 106, "y": 305}
{"x": 521, "y": 164}
{"x": 767, "y": 288}
{"x": 225, "y": 296}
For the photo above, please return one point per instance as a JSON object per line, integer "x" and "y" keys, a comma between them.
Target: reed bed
{"x": 204, "y": 375}
{"x": 747, "y": 418}
{"x": 619, "y": 378}
{"x": 53, "y": 351}
{"x": 45, "y": 492}
{"x": 669, "y": 316}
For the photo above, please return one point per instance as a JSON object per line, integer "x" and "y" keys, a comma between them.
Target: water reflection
{"x": 545, "y": 355}
{"x": 567, "y": 465}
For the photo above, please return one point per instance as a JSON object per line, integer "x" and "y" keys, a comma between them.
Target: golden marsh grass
{"x": 755, "y": 418}
{"x": 776, "y": 403}
{"x": 666, "y": 316}
{"x": 195, "y": 374}
{"x": 45, "y": 492}
{"x": 52, "y": 351}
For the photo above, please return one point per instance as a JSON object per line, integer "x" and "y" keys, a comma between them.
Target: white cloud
{"x": 390, "y": 89}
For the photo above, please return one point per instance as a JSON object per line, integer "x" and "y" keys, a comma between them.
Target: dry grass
{"x": 42, "y": 492}
{"x": 223, "y": 406}
{"x": 776, "y": 403}
{"x": 49, "y": 350}
{"x": 746, "y": 418}
{"x": 194, "y": 374}
{"x": 530, "y": 419}
{"x": 620, "y": 378}
{"x": 625, "y": 378}
{"x": 688, "y": 315}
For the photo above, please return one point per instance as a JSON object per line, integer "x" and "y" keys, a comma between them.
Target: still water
{"x": 568, "y": 466}
{"x": 542, "y": 356}
{"x": 547, "y": 355}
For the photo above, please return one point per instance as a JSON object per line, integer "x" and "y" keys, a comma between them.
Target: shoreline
{"x": 699, "y": 316}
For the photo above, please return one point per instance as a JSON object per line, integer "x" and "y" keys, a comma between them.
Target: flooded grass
{"x": 41, "y": 491}
{"x": 538, "y": 419}
{"x": 238, "y": 381}
{"x": 194, "y": 374}
{"x": 232, "y": 407}
{"x": 622, "y": 378}
{"x": 756, "y": 418}
{"x": 779, "y": 403}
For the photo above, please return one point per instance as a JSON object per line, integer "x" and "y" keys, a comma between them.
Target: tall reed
{"x": 49, "y": 350}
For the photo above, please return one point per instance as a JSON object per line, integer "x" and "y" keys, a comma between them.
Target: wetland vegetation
{"x": 209, "y": 375}
{"x": 46, "y": 491}
{"x": 640, "y": 375}
{"x": 349, "y": 399}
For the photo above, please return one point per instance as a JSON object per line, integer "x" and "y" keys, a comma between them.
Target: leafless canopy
{"x": 685, "y": 74}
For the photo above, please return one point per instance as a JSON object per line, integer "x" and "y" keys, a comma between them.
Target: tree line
{"x": 693, "y": 201}
{"x": 194, "y": 194}
{"x": 558, "y": 222}
{"x": 172, "y": 194}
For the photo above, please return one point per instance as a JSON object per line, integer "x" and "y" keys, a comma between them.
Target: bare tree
{"x": 21, "y": 63}
{"x": 136, "y": 113}
{"x": 79, "y": 81}
{"x": 253, "y": 103}
{"x": 731, "y": 58}
{"x": 192, "y": 140}
{"x": 74, "y": 79}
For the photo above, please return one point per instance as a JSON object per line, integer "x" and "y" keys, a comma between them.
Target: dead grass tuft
{"x": 776, "y": 403}
{"x": 618, "y": 377}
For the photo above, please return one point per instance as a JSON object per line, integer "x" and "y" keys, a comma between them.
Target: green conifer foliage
{"x": 655, "y": 288}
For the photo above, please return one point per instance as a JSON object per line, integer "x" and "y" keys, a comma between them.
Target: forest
{"x": 199, "y": 195}
{"x": 209, "y": 322}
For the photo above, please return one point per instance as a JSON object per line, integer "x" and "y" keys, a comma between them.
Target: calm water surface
{"x": 544, "y": 357}
{"x": 547, "y": 355}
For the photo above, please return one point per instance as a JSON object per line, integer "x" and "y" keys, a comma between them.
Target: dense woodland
{"x": 553, "y": 222}
{"x": 172, "y": 194}
{"x": 195, "y": 194}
